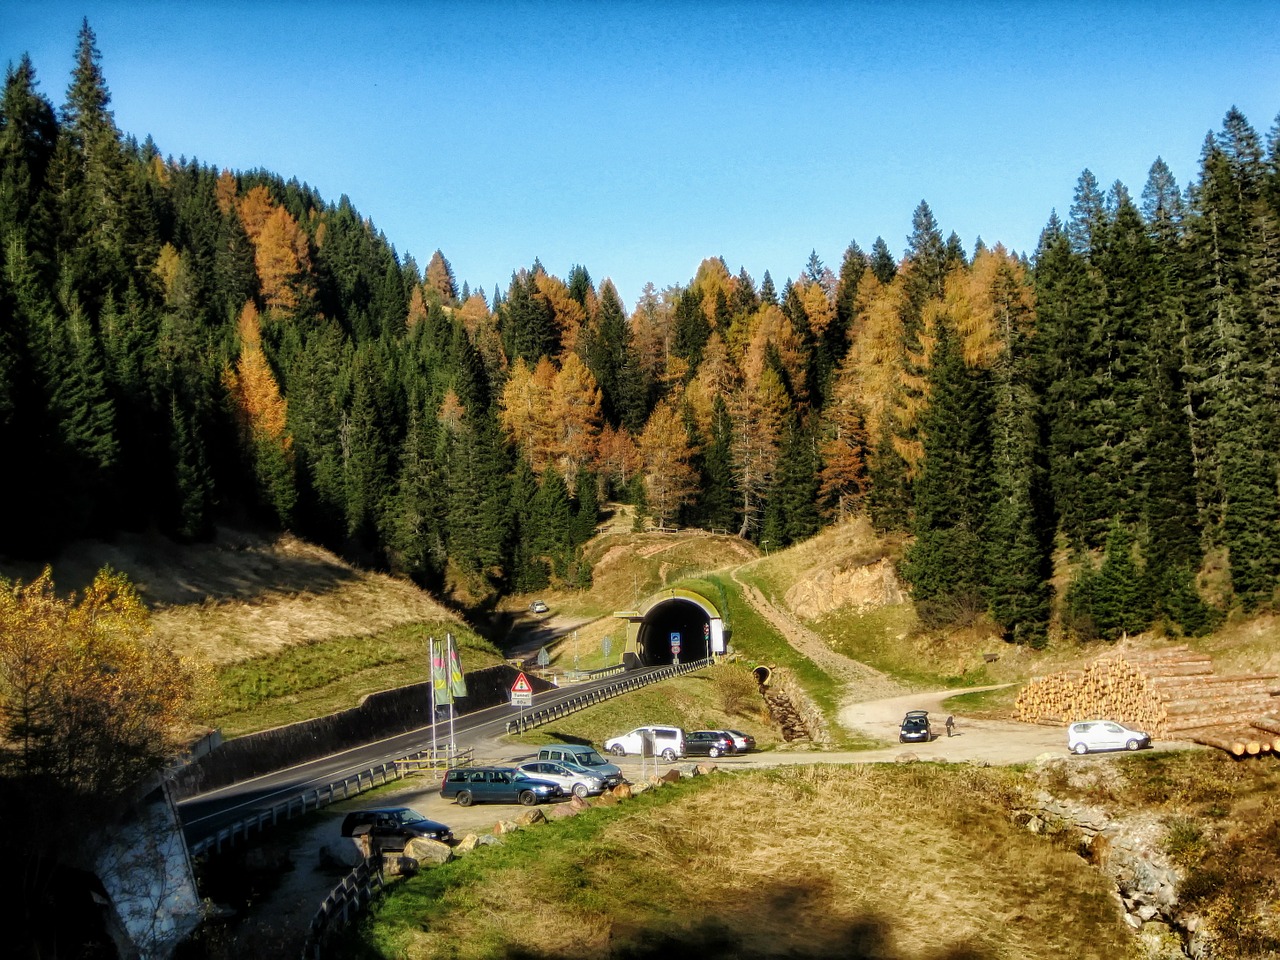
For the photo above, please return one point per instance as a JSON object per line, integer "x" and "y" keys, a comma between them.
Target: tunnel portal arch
{"x": 686, "y": 617}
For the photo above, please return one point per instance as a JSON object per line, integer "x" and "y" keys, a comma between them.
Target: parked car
{"x": 1104, "y": 735}
{"x": 572, "y": 779}
{"x": 742, "y": 742}
{"x": 538, "y": 606}
{"x": 394, "y": 826}
{"x": 708, "y": 743}
{"x": 583, "y": 755}
{"x": 668, "y": 742}
{"x": 470, "y": 785}
{"x": 915, "y": 727}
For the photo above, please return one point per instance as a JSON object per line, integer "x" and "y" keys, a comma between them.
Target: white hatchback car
{"x": 1104, "y": 735}
{"x": 668, "y": 742}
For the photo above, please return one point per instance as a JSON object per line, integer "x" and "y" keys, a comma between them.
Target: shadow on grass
{"x": 791, "y": 908}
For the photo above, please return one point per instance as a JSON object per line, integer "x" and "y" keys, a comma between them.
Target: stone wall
{"x": 1130, "y": 851}
{"x": 784, "y": 685}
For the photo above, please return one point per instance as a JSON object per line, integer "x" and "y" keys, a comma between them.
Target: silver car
{"x": 571, "y": 778}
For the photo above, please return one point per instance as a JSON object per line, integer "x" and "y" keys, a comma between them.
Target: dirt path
{"x": 862, "y": 682}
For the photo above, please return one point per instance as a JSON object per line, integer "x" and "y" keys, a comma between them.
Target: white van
{"x": 664, "y": 742}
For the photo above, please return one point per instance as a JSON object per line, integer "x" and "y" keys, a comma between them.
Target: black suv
{"x": 915, "y": 727}
{"x": 395, "y": 826}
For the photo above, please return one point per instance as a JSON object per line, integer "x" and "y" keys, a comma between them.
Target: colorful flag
{"x": 457, "y": 681}
{"x": 440, "y": 675}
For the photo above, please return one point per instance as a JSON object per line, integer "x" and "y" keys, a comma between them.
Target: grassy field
{"x": 308, "y": 680}
{"x": 893, "y": 863}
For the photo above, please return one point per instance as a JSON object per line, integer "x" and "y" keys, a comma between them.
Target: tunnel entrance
{"x": 687, "y": 621}
{"x": 678, "y": 614}
{"x": 676, "y": 621}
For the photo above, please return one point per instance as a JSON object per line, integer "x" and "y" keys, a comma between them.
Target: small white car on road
{"x": 1090, "y": 735}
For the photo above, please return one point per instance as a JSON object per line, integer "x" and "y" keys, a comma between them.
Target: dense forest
{"x": 182, "y": 346}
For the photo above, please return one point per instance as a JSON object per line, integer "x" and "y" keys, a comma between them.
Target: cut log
{"x": 1234, "y": 747}
{"x": 1267, "y": 723}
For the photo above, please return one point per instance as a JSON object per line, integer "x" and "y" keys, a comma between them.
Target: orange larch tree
{"x": 525, "y": 411}
{"x": 575, "y": 415}
{"x": 283, "y": 258}
{"x": 263, "y": 416}
{"x": 619, "y": 457}
{"x": 758, "y": 409}
{"x": 440, "y": 279}
{"x": 669, "y": 478}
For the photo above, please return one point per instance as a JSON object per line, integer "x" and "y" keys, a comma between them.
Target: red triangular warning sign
{"x": 521, "y": 685}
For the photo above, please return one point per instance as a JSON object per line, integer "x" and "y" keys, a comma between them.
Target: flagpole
{"x": 431, "y": 683}
{"x": 449, "y": 657}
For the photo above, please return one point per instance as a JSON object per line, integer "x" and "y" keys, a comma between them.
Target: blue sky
{"x": 639, "y": 138}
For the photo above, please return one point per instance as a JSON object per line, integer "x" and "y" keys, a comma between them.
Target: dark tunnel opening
{"x": 670, "y": 618}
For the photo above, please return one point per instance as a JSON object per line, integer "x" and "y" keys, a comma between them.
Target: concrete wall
{"x": 379, "y": 715}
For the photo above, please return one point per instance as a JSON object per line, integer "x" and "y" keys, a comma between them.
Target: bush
{"x": 735, "y": 687}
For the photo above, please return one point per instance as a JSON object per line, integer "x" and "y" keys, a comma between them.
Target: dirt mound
{"x": 862, "y": 586}
{"x": 243, "y": 593}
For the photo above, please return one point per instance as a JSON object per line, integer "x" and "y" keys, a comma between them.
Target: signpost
{"x": 521, "y": 696}
{"x": 675, "y": 647}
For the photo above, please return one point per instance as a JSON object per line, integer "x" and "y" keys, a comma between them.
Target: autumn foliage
{"x": 87, "y": 697}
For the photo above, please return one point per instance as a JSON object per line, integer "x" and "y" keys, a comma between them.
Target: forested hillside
{"x": 183, "y": 345}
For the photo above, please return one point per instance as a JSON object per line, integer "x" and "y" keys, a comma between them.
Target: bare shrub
{"x": 736, "y": 688}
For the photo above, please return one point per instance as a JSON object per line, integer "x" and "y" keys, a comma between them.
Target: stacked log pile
{"x": 1169, "y": 693}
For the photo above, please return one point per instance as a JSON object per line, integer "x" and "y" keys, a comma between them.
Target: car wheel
{"x": 1132, "y": 745}
{"x": 713, "y": 752}
{"x": 464, "y": 798}
{"x": 1081, "y": 749}
{"x": 528, "y": 798}
{"x": 618, "y": 750}
{"x": 580, "y": 790}
{"x": 669, "y": 755}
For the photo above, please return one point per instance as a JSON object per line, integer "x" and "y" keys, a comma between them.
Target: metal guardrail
{"x": 541, "y": 715}
{"x": 309, "y": 800}
{"x": 344, "y": 902}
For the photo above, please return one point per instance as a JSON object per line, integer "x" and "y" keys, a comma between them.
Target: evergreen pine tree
{"x": 718, "y": 498}
{"x": 1019, "y": 536}
{"x": 883, "y": 265}
{"x": 889, "y": 491}
{"x": 692, "y": 329}
{"x": 952, "y": 494}
{"x": 28, "y": 135}
{"x": 767, "y": 293}
{"x": 1119, "y": 603}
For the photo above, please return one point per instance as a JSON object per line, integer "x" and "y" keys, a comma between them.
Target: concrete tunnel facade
{"x": 674, "y": 625}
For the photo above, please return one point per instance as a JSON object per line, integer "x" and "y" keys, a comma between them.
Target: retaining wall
{"x": 379, "y": 715}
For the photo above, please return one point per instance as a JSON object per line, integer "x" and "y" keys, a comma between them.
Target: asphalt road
{"x": 204, "y": 814}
